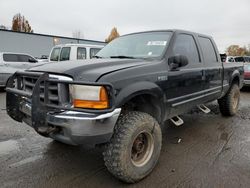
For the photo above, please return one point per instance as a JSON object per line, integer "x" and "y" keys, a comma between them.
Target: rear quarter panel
{"x": 231, "y": 71}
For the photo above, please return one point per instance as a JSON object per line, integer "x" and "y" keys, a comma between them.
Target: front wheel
{"x": 134, "y": 148}
{"x": 230, "y": 102}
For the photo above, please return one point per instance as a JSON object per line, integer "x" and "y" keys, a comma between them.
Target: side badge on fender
{"x": 162, "y": 78}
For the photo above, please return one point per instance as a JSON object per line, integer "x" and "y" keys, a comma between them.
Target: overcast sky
{"x": 228, "y": 21}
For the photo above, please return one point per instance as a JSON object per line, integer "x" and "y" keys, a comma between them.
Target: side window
{"x": 81, "y": 53}
{"x": 10, "y": 57}
{"x": 65, "y": 54}
{"x": 185, "y": 45}
{"x": 208, "y": 50}
{"x": 94, "y": 51}
{"x": 55, "y": 54}
{"x": 239, "y": 59}
{"x": 24, "y": 58}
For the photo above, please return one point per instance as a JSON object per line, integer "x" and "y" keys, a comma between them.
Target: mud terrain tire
{"x": 134, "y": 148}
{"x": 230, "y": 102}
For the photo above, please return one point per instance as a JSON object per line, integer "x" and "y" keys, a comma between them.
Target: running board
{"x": 177, "y": 121}
{"x": 204, "y": 109}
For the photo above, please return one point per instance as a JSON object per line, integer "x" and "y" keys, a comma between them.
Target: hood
{"x": 88, "y": 70}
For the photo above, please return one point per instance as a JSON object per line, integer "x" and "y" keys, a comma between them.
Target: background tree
{"x": 113, "y": 34}
{"x": 236, "y": 50}
{"x": 19, "y": 23}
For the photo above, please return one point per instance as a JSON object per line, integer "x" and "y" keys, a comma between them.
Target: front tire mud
{"x": 134, "y": 148}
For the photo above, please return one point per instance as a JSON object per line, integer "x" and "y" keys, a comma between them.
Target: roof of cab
{"x": 79, "y": 45}
{"x": 172, "y": 30}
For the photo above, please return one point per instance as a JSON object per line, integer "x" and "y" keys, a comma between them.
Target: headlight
{"x": 84, "y": 96}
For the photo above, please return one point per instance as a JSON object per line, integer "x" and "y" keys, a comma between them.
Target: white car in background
{"x": 230, "y": 59}
{"x": 12, "y": 62}
{"x": 67, "y": 52}
{"x": 239, "y": 59}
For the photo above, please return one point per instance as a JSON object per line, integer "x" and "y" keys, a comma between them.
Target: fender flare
{"x": 142, "y": 88}
{"x": 235, "y": 74}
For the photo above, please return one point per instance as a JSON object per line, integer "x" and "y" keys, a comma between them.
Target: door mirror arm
{"x": 177, "y": 61}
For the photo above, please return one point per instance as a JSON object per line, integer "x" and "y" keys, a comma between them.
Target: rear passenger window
{"x": 208, "y": 50}
{"x": 10, "y": 57}
{"x": 185, "y": 45}
{"x": 94, "y": 51}
{"x": 65, "y": 53}
{"x": 81, "y": 53}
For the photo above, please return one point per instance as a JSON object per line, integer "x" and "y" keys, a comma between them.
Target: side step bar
{"x": 204, "y": 109}
{"x": 177, "y": 121}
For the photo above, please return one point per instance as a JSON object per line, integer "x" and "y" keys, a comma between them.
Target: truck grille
{"x": 28, "y": 83}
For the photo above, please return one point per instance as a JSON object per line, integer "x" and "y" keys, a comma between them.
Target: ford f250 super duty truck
{"x": 121, "y": 98}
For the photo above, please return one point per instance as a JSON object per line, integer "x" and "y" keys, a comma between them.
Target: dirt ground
{"x": 214, "y": 152}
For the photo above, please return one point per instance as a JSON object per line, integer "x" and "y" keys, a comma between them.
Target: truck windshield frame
{"x": 146, "y": 45}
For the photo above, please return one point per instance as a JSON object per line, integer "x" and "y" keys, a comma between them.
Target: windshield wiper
{"x": 123, "y": 57}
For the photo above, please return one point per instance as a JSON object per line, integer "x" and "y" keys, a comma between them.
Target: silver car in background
{"x": 12, "y": 62}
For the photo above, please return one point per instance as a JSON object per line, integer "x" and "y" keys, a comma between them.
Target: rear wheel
{"x": 134, "y": 148}
{"x": 230, "y": 102}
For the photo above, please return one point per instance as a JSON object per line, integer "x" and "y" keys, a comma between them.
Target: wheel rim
{"x": 235, "y": 100}
{"x": 142, "y": 148}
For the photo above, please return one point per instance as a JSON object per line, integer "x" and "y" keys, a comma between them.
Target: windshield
{"x": 55, "y": 54}
{"x": 140, "y": 45}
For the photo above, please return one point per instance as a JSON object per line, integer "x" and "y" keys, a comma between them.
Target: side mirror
{"x": 177, "y": 61}
{"x": 31, "y": 60}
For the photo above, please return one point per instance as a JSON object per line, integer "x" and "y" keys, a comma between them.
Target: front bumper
{"x": 65, "y": 124}
{"x": 78, "y": 128}
{"x": 83, "y": 128}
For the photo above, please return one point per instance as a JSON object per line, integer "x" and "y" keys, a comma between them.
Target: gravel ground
{"x": 214, "y": 151}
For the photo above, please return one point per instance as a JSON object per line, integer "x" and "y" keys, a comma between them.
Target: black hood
{"x": 88, "y": 70}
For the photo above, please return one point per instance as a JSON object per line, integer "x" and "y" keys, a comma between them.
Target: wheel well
{"x": 236, "y": 80}
{"x": 145, "y": 103}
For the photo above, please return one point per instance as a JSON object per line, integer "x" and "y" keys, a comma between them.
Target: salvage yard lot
{"x": 213, "y": 152}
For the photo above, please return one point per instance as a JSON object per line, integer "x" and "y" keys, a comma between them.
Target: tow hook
{"x": 47, "y": 130}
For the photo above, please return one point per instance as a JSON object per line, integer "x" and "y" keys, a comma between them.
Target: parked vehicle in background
{"x": 66, "y": 52}
{"x": 238, "y": 59}
{"x": 12, "y": 62}
{"x": 43, "y": 58}
{"x": 242, "y": 59}
{"x": 223, "y": 58}
{"x": 247, "y": 74}
{"x": 138, "y": 82}
{"x": 246, "y": 59}
{"x": 230, "y": 59}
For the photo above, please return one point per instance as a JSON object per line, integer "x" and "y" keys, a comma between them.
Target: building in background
{"x": 34, "y": 43}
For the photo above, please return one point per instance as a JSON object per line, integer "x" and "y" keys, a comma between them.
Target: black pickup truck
{"x": 120, "y": 98}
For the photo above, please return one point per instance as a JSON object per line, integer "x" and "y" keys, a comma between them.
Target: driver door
{"x": 185, "y": 83}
